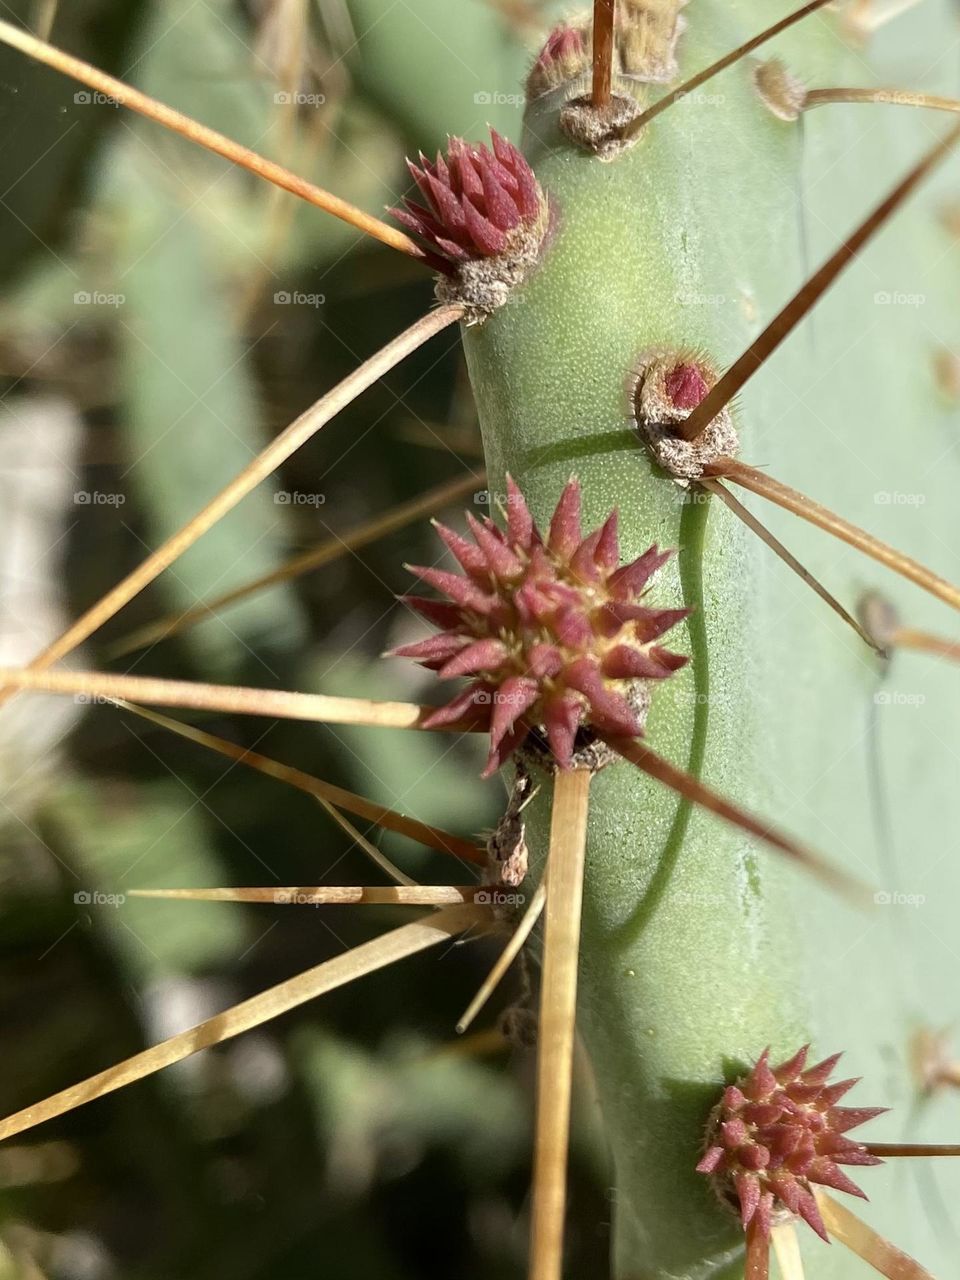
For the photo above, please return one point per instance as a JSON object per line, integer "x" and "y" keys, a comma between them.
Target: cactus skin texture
{"x": 698, "y": 949}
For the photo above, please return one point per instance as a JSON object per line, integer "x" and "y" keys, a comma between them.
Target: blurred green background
{"x": 163, "y": 315}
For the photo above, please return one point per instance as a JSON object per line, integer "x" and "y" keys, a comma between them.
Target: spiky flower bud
{"x": 552, "y": 632}
{"x": 483, "y": 220}
{"x": 777, "y": 1131}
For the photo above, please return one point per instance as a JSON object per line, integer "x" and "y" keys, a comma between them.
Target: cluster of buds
{"x": 482, "y": 216}
{"x": 553, "y": 632}
{"x": 777, "y": 1131}
{"x": 482, "y": 221}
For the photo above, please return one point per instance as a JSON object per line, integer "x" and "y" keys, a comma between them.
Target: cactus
{"x": 605, "y": 274}
{"x": 637, "y": 263}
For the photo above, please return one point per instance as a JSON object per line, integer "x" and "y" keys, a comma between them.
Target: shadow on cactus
{"x": 602, "y": 279}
